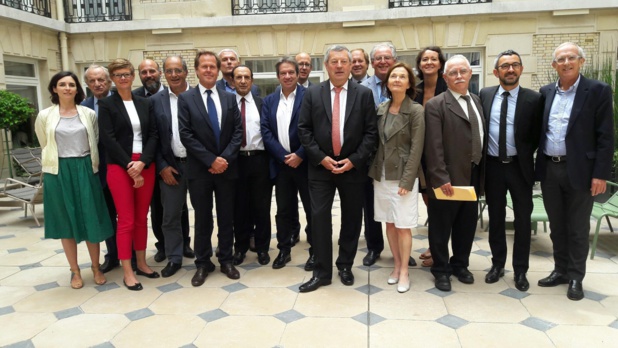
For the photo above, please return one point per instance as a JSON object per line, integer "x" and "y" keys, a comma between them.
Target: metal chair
{"x": 604, "y": 210}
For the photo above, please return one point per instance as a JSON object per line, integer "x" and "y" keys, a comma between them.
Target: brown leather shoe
{"x": 230, "y": 271}
{"x": 200, "y": 276}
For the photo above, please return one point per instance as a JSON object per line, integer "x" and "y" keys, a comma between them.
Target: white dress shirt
{"x": 177, "y": 148}
{"x": 252, "y": 124}
{"x": 284, "y": 118}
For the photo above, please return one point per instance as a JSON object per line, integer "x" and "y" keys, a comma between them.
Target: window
{"x": 250, "y": 7}
{"x": 265, "y": 74}
{"x": 22, "y": 78}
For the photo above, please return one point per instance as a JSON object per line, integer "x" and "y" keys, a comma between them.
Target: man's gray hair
{"x": 456, "y": 57}
{"x": 337, "y": 48}
{"x": 96, "y": 66}
{"x": 229, "y": 50}
{"x": 383, "y": 45}
{"x": 580, "y": 51}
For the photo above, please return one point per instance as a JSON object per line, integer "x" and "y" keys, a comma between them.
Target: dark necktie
{"x": 212, "y": 115}
{"x": 476, "y": 135}
{"x": 244, "y": 122}
{"x": 336, "y": 132}
{"x": 502, "y": 136}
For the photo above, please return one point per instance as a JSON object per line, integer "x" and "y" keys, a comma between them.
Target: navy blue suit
{"x": 289, "y": 181}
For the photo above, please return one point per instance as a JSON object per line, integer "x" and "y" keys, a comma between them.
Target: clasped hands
{"x": 134, "y": 169}
{"x": 218, "y": 166}
{"x": 336, "y": 167}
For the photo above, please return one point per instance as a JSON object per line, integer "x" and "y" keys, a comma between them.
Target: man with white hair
{"x": 229, "y": 60}
{"x": 454, "y": 143}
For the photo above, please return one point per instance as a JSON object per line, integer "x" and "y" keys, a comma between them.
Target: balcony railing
{"x": 39, "y": 7}
{"x": 254, "y": 7}
{"x": 83, "y": 11}
{"x": 412, "y": 3}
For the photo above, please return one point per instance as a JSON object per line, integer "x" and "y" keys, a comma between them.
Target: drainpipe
{"x": 62, "y": 36}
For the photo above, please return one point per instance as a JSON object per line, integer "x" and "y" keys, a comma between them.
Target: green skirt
{"x": 74, "y": 203}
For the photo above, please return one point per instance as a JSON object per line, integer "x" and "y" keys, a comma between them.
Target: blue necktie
{"x": 212, "y": 115}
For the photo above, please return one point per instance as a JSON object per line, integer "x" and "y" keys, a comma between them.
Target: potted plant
{"x": 14, "y": 110}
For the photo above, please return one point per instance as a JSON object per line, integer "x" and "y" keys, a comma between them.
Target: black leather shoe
{"x": 188, "y": 252}
{"x": 310, "y": 264}
{"x": 238, "y": 258}
{"x": 283, "y": 258}
{"x": 370, "y": 258}
{"x": 252, "y": 244}
{"x": 464, "y": 276}
{"x": 170, "y": 269}
{"x": 295, "y": 239}
{"x": 494, "y": 274}
{"x": 313, "y": 284}
{"x": 576, "y": 290}
{"x": 199, "y": 277}
{"x": 230, "y": 271}
{"x": 159, "y": 256}
{"x": 134, "y": 287}
{"x": 263, "y": 257}
{"x": 521, "y": 282}
{"x": 152, "y": 275}
{"x": 412, "y": 262}
{"x": 443, "y": 283}
{"x": 210, "y": 267}
{"x": 554, "y": 279}
{"x": 109, "y": 265}
{"x": 347, "y": 278}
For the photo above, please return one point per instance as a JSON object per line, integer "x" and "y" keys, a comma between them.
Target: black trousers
{"x": 201, "y": 191}
{"x": 289, "y": 184}
{"x": 569, "y": 211}
{"x": 322, "y": 195}
{"x": 156, "y": 218}
{"x": 373, "y": 229}
{"x": 110, "y": 243}
{"x": 500, "y": 178}
{"x": 252, "y": 206}
{"x": 454, "y": 220}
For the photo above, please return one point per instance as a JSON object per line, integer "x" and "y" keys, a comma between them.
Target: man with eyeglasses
{"x": 337, "y": 128}
{"x": 514, "y": 120}
{"x": 454, "y": 142}
{"x": 573, "y": 162}
{"x": 383, "y": 56}
{"x": 304, "y": 69}
{"x": 171, "y": 157}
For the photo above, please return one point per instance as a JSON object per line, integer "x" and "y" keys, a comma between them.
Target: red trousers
{"x": 132, "y": 206}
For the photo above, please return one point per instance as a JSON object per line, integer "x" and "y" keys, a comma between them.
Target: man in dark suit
{"x": 454, "y": 140}
{"x": 513, "y": 114}
{"x": 170, "y": 160}
{"x": 573, "y": 162}
{"x": 150, "y": 76}
{"x": 211, "y": 131}
{"x": 253, "y": 187}
{"x": 304, "y": 69}
{"x": 97, "y": 79}
{"x": 280, "y": 113}
{"x": 337, "y": 128}
{"x": 229, "y": 60}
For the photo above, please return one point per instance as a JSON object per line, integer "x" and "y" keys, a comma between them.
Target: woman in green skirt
{"x": 74, "y": 206}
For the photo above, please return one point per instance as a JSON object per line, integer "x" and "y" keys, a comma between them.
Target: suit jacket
{"x": 360, "y": 133}
{"x": 89, "y": 103}
{"x": 420, "y": 90}
{"x": 197, "y": 135}
{"x": 589, "y": 136}
{"x": 400, "y": 152}
{"x": 163, "y": 115}
{"x": 527, "y": 127}
{"x": 448, "y": 143}
{"x": 270, "y": 133}
{"x": 117, "y": 133}
{"x": 141, "y": 91}
{"x": 255, "y": 91}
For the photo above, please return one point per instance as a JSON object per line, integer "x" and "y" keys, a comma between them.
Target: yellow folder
{"x": 462, "y": 193}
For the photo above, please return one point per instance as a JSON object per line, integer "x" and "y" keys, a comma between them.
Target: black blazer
{"x": 360, "y": 131}
{"x": 441, "y": 87}
{"x": 270, "y": 133}
{"x": 528, "y": 118}
{"x": 196, "y": 133}
{"x": 141, "y": 92}
{"x": 116, "y": 132}
{"x": 590, "y": 133}
{"x": 163, "y": 115}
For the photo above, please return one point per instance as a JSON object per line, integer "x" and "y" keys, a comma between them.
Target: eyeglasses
{"x": 173, "y": 71}
{"x": 122, "y": 76}
{"x": 304, "y": 65}
{"x": 383, "y": 58}
{"x": 507, "y": 66}
{"x": 570, "y": 59}
{"x": 454, "y": 73}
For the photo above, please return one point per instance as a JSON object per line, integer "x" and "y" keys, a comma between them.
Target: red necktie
{"x": 336, "y": 133}
{"x": 244, "y": 123}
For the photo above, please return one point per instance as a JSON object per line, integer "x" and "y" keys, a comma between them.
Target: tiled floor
{"x": 265, "y": 309}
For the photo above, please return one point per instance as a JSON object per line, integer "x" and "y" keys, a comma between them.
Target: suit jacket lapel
{"x": 326, "y": 100}
{"x": 580, "y": 97}
{"x": 549, "y": 100}
{"x": 123, "y": 110}
{"x": 453, "y": 105}
{"x": 223, "y": 99}
{"x": 351, "y": 98}
{"x": 488, "y": 102}
{"x": 199, "y": 104}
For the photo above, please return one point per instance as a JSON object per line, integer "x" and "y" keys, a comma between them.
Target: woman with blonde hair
{"x": 75, "y": 208}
